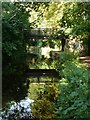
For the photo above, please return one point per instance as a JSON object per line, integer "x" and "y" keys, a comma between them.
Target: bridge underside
{"x": 38, "y": 73}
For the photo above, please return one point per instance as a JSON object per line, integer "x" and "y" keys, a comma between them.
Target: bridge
{"x": 38, "y": 73}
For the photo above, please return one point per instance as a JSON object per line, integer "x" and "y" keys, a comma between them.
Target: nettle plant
{"x": 18, "y": 110}
{"x": 73, "y": 88}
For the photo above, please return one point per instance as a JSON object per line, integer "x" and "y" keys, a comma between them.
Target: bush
{"x": 73, "y": 88}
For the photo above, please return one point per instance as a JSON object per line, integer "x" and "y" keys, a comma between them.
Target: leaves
{"x": 73, "y": 88}
{"x": 14, "y": 21}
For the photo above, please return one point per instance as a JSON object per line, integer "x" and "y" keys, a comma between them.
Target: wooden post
{"x": 38, "y": 80}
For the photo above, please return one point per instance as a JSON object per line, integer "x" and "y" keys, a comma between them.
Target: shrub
{"x": 73, "y": 88}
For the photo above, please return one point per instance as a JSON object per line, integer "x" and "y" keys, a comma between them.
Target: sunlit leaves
{"x": 73, "y": 88}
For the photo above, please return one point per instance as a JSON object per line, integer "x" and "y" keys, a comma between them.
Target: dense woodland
{"x": 64, "y": 30}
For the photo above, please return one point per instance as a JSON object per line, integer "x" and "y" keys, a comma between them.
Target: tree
{"x": 72, "y": 18}
{"x": 14, "y": 21}
{"x": 16, "y": 26}
{"x": 76, "y": 17}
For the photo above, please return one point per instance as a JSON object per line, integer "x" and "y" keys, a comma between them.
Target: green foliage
{"x": 45, "y": 102}
{"x": 72, "y": 19}
{"x": 15, "y": 31}
{"x": 14, "y": 54}
{"x": 73, "y": 88}
{"x": 76, "y": 17}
